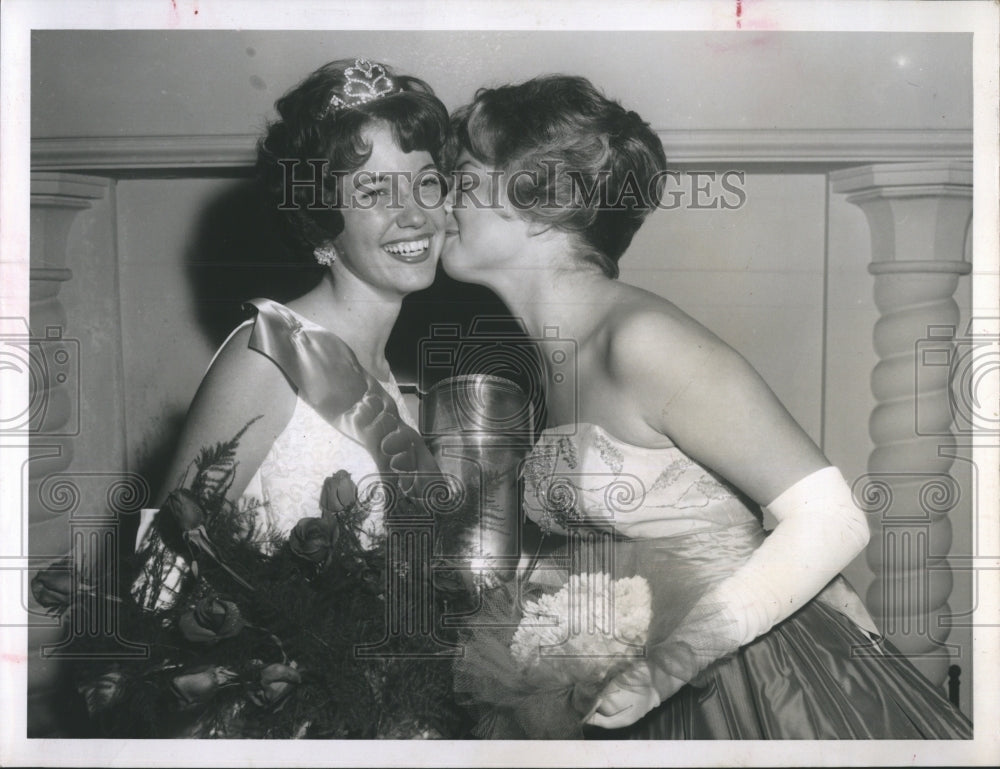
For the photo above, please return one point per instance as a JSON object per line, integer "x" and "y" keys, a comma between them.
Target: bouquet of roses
{"x": 258, "y": 636}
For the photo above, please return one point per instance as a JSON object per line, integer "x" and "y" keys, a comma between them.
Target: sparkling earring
{"x": 325, "y": 255}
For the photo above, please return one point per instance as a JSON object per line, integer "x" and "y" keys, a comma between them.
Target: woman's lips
{"x": 409, "y": 251}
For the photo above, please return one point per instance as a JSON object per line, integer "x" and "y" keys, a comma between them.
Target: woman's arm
{"x": 719, "y": 411}
{"x": 692, "y": 387}
{"x": 241, "y": 385}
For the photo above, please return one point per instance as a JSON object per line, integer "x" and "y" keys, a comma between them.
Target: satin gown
{"x": 824, "y": 673}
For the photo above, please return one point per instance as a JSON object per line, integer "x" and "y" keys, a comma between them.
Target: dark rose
{"x": 408, "y": 729}
{"x": 183, "y": 507}
{"x": 276, "y": 683}
{"x": 448, "y": 577}
{"x": 211, "y": 620}
{"x": 53, "y": 586}
{"x": 339, "y": 493}
{"x": 103, "y": 691}
{"x": 313, "y": 539}
{"x": 200, "y": 684}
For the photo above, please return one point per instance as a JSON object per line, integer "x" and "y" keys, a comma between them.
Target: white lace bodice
{"x": 288, "y": 484}
{"x": 289, "y": 481}
{"x": 594, "y": 477}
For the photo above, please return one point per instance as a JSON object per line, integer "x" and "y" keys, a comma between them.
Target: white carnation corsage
{"x": 592, "y": 625}
{"x": 540, "y": 651}
{"x": 537, "y": 668}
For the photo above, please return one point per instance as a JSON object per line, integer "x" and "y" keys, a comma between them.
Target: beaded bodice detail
{"x": 593, "y": 476}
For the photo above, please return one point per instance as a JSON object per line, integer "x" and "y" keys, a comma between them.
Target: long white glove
{"x": 820, "y": 530}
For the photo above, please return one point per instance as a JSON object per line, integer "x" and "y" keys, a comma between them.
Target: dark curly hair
{"x": 594, "y": 168}
{"x": 308, "y": 131}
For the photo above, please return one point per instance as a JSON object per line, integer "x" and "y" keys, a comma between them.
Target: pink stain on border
{"x": 758, "y": 22}
{"x": 173, "y": 18}
{"x": 16, "y": 659}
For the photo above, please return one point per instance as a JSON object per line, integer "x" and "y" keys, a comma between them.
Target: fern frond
{"x": 222, "y": 454}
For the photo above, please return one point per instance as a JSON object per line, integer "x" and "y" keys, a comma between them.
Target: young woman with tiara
{"x": 299, "y": 433}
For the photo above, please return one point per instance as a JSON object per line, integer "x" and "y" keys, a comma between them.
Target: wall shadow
{"x": 238, "y": 254}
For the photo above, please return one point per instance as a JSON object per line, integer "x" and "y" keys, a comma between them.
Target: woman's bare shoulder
{"x": 648, "y": 334}
{"x": 243, "y": 393}
{"x": 247, "y": 375}
{"x": 691, "y": 386}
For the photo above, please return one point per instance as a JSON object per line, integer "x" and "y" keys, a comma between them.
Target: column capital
{"x": 918, "y": 214}
{"x": 56, "y": 199}
{"x": 893, "y": 179}
{"x": 57, "y": 184}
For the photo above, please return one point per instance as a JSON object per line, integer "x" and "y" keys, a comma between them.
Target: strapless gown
{"x": 824, "y": 673}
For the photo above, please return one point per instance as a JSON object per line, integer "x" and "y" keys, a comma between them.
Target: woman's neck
{"x": 567, "y": 308}
{"x": 566, "y": 299}
{"x": 355, "y": 312}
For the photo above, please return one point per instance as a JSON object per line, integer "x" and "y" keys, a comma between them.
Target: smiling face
{"x": 394, "y": 220}
{"x": 486, "y": 233}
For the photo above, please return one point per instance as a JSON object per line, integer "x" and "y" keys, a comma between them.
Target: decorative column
{"x": 919, "y": 216}
{"x": 54, "y": 357}
{"x": 51, "y": 359}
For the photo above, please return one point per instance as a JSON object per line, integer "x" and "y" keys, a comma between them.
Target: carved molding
{"x": 120, "y": 154}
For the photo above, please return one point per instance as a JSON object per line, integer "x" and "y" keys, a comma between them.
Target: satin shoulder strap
{"x": 331, "y": 380}
{"x": 322, "y": 366}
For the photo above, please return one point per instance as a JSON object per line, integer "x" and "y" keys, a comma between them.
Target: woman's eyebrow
{"x": 378, "y": 177}
{"x": 369, "y": 178}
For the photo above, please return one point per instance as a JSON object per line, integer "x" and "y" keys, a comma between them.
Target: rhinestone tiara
{"x": 364, "y": 82}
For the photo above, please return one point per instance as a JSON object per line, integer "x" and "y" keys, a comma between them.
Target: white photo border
{"x": 20, "y": 17}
